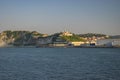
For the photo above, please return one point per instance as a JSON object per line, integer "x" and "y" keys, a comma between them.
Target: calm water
{"x": 59, "y": 64}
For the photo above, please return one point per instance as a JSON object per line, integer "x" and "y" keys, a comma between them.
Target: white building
{"x": 116, "y": 42}
{"x": 108, "y": 42}
{"x": 66, "y": 34}
{"x": 76, "y": 43}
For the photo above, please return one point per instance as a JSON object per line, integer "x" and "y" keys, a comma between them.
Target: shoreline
{"x": 60, "y": 47}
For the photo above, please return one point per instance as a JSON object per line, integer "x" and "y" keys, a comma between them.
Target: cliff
{"x": 18, "y": 38}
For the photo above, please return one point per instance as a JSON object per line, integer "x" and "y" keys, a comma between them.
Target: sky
{"x": 51, "y": 16}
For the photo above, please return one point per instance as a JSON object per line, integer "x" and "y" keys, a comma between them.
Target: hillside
{"x": 115, "y": 37}
{"x": 30, "y": 38}
{"x": 72, "y": 38}
{"x": 18, "y": 37}
{"x": 92, "y": 34}
{"x": 69, "y": 37}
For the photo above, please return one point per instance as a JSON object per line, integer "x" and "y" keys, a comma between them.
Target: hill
{"x": 18, "y": 37}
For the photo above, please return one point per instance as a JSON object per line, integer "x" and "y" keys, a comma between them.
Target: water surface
{"x": 59, "y": 64}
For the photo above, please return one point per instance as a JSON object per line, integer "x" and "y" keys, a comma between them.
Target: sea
{"x": 59, "y": 63}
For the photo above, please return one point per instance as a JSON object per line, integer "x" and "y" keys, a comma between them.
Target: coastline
{"x": 60, "y": 47}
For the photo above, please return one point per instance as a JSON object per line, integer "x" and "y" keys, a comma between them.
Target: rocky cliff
{"x": 18, "y": 38}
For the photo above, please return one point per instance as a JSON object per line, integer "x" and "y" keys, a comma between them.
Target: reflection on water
{"x": 59, "y": 64}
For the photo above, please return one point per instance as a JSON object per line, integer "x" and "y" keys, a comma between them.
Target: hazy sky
{"x": 50, "y": 16}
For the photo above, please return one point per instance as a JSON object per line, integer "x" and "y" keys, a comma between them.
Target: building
{"x": 108, "y": 42}
{"x": 66, "y": 33}
{"x": 44, "y": 35}
{"x": 76, "y": 43}
{"x": 59, "y": 44}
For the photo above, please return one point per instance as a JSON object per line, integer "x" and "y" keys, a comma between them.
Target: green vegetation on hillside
{"x": 92, "y": 34}
{"x": 72, "y": 38}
